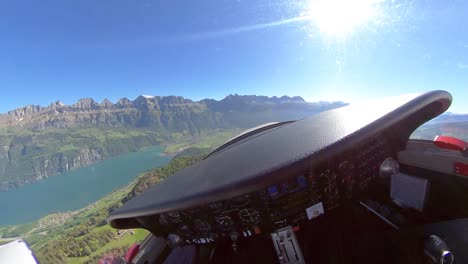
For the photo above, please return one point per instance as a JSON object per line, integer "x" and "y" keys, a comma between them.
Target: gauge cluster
{"x": 288, "y": 203}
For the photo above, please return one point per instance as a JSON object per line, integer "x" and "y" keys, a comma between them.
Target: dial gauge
{"x": 240, "y": 201}
{"x": 185, "y": 231}
{"x": 329, "y": 179}
{"x": 346, "y": 166}
{"x": 249, "y": 216}
{"x": 346, "y": 169}
{"x": 224, "y": 222}
{"x": 163, "y": 219}
{"x": 173, "y": 217}
{"x": 328, "y": 175}
{"x": 216, "y": 207}
{"x": 202, "y": 226}
{"x": 190, "y": 212}
{"x": 275, "y": 215}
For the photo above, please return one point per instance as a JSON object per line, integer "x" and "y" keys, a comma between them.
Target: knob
{"x": 174, "y": 240}
{"x": 388, "y": 167}
{"x": 437, "y": 250}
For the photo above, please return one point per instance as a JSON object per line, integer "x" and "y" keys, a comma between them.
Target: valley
{"x": 38, "y": 142}
{"x": 65, "y": 168}
{"x": 83, "y": 236}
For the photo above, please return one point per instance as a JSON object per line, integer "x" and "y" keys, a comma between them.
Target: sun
{"x": 342, "y": 17}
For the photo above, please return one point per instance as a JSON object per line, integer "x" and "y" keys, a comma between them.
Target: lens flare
{"x": 341, "y": 17}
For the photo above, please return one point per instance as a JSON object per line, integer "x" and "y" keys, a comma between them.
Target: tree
{"x": 87, "y": 251}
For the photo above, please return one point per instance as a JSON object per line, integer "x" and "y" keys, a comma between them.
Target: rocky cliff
{"x": 36, "y": 141}
{"x": 164, "y": 112}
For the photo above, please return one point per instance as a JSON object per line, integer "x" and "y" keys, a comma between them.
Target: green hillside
{"x": 38, "y": 142}
{"x": 83, "y": 236}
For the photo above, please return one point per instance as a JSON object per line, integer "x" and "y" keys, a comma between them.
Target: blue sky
{"x": 66, "y": 50}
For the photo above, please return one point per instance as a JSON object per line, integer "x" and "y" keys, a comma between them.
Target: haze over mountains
{"x": 166, "y": 112}
{"x": 449, "y": 117}
{"x": 447, "y": 124}
{"x": 36, "y": 142}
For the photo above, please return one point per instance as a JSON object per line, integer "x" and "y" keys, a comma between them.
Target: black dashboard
{"x": 291, "y": 202}
{"x": 283, "y": 176}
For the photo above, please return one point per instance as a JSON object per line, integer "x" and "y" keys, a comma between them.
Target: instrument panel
{"x": 289, "y": 203}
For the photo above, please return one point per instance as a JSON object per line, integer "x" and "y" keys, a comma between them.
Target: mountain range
{"x": 37, "y": 142}
{"x": 449, "y": 117}
{"x": 164, "y": 112}
{"x": 447, "y": 124}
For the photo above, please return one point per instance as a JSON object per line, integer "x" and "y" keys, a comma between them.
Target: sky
{"x": 334, "y": 50}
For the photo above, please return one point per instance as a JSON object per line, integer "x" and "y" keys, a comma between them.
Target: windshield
{"x": 98, "y": 98}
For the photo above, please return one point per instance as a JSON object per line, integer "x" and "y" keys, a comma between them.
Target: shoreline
{"x": 134, "y": 170}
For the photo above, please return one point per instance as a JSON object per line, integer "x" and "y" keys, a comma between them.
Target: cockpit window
{"x": 452, "y": 125}
{"x": 100, "y": 100}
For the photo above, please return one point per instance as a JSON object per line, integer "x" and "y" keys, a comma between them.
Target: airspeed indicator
{"x": 249, "y": 216}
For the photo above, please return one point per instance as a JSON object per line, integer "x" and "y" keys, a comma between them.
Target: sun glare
{"x": 341, "y": 17}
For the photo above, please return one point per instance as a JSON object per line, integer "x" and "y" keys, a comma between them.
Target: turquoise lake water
{"x": 78, "y": 188}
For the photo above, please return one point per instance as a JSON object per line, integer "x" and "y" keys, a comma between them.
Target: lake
{"x": 78, "y": 188}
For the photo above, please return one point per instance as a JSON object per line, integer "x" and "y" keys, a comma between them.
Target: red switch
{"x": 257, "y": 230}
{"x": 461, "y": 168}
{"x": 450, "y": 143}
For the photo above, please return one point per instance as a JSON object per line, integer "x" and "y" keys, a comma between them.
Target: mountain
{"x": 164, "y": 113}
{"x": 448, "y": 124}
{"x": 37, "y": 142}
{"x": 449, "y": 117}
